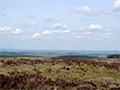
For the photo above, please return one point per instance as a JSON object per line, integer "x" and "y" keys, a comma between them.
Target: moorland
{"x": 66, "y": 71}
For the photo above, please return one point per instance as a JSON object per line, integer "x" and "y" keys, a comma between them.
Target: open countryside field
{"x": 60, "y": 74}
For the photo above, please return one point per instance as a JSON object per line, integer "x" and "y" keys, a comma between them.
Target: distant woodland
{"x": 114, "y": 56}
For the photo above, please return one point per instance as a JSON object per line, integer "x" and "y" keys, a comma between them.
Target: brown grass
{"x": 61, "y": 74}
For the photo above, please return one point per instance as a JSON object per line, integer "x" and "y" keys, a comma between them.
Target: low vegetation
{"x": 114, "y": 56}
{"x": 60, "y": 74}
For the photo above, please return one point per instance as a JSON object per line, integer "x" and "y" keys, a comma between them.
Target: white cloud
{"x": 36, "y": 35}
{"x": 91, "y": 13}
{"x": 107, "y": 34}
{"x": 57, "y": 26}
{"x": 97, "y": 39}
{"x": 61, "y": 31}
{"x": 51, "y": 19}
{"x": 107, "y": 12}
{"x": 85, "y": 10}
{"x": 8, "y": 30}
{"x": 30, "y": 24}
{"x": 46, "y": 32}
{"x": 116, "y": 5}
{"x": 33, "y": 24}
{"x": 88, "y": 33}
{"x": 5, "y": 28}
{"x": 115, "y": 36}
{"x": 80, "y": 29}
{"x": 17, "y": 31}
{"x": 66, "y": 31}
{"x": 55, "y": 31}
{"x": 77, "y": 36}
{"x": 92, "y": 26}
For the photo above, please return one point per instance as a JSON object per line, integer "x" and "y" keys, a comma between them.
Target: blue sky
{"x": 60, "y": 24}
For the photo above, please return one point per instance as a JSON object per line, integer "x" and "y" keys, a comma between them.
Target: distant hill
{"x": 5, "y": 53}
{"x": 59, "y": 54}
{"x": 76, "y": 56}
{"x": 114, "y": 56}
{"x": 62, "y": 51}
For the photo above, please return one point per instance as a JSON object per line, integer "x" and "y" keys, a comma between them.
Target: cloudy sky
{"x": 60, "y": 24}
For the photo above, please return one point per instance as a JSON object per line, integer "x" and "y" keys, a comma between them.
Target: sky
{"x": 60, "y": 24}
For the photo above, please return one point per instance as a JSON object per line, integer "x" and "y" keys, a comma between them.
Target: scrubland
{"x": 60, "y": 74}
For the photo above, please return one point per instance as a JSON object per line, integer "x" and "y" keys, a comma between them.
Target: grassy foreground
{"x": 60, "y": 74}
